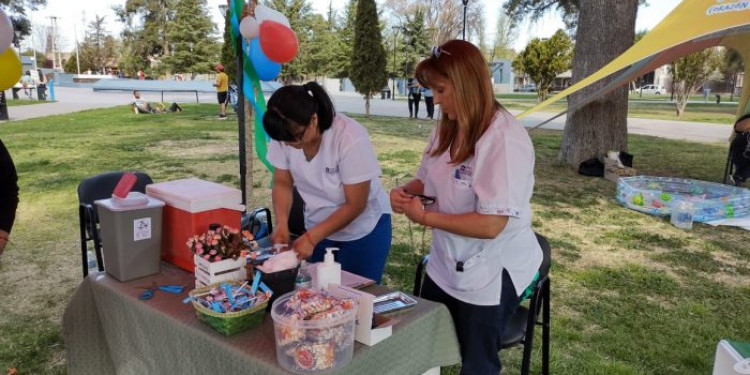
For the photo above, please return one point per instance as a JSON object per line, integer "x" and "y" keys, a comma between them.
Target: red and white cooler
{"x": 191, "y": 206}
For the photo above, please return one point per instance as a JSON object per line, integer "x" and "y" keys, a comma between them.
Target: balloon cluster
{"x": 10, "y": 64}
{"x": 271, "y": 41}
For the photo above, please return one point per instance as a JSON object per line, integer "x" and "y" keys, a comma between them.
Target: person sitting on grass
{"x": 143, "y": 106}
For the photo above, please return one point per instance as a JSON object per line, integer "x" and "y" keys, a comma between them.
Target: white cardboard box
{"x": 364, "y": 332}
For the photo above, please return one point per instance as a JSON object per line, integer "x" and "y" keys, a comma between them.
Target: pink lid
{"x": 196, "y": 195}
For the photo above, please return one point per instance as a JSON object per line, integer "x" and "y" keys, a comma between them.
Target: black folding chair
{"x": 90, "y": 190}
{"x": 520, "y": 329}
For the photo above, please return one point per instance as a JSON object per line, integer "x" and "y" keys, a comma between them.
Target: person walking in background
{"x": 473, "y": 188}
{"x": 41, "y": 87}
{"x": 428, "y": 101}
{"x": 222, "y": 86}
{"x": 8, "y": 196}
{"x": 27, "y": 81}
{"x": 141, "y": 75}
{"x": 414, "y": 96}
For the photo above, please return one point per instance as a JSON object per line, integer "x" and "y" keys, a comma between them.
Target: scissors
{"x": 149, "y": 292}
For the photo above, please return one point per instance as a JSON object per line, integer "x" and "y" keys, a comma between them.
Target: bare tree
{"x": 443, "y": 18}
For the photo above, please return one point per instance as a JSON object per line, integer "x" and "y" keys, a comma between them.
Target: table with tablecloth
{"x": 107, "y": 329}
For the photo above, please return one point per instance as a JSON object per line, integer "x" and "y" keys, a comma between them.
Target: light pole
{"x": 395, "y": 42}
{"x": 463, "y": 35}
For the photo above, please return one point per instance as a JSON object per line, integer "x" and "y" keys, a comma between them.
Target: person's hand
{"x": 280, "y": 236}
{"x": 304, "y": 246}
{"x": 414, "y": 210}
{"x": 399, "y": 199}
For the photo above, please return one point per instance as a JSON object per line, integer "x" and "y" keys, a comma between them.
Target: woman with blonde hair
{"x": 473, "y": 188}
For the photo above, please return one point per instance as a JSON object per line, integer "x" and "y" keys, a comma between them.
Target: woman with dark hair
{"x": 329, "y": 158}
{"x": 8, "y": 196}
{"x": 478, "y": 173}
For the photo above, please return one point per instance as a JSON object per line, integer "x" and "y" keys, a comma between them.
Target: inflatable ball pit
{"x": 656, "y": 196}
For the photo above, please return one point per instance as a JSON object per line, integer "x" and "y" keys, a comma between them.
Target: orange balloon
{"x": 11, "y": 67}
{"x": 279, "y": 43}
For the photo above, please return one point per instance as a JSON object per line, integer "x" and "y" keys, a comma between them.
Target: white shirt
{"x": 497, "y": 180}
{"x": 346, "y": 156}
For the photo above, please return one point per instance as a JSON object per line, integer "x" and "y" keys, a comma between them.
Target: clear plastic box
{"x": 312, "y": 346}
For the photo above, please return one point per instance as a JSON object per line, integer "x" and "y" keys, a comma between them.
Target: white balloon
{"x": 264, "y": 13}
{"x": 249, "y": 27}
{"x": 6, "y": 31}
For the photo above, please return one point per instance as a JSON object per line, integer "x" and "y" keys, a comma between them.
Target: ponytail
{"x": 324, "y": 109}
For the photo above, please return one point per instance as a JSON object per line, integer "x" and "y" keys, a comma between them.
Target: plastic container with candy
{"x": 314, "y": 331}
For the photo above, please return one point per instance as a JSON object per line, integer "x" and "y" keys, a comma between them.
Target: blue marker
{"x": 265, "y": 288}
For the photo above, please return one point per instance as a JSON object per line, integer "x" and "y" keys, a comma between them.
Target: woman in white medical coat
{"x": 329, "y": 158}
{"x": 479, "y": 168}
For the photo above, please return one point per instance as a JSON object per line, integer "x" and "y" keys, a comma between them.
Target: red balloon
{"x": 279, "y": 43}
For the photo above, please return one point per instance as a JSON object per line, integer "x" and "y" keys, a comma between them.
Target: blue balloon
{"x": 266, "y": 68}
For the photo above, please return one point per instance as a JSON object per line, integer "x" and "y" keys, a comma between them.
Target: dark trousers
{"x": 741, "y": 157}
{"x": 428, "y": 102}
{"x": 414, "y": 101}
{"x": 479, "y": 328}
{"x": 365, "y": 256}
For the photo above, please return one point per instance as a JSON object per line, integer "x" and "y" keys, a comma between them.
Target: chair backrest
{"x": 546, "y": 256}
{"x": 102, "y": 185}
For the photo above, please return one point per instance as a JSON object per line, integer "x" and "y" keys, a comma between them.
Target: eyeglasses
{"x": 437, "y": 51}
{"x": 298, "y": 135}
{"x": 426, "y": 199}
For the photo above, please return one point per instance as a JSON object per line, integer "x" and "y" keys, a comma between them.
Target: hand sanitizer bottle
{"x": 328, "y": 272}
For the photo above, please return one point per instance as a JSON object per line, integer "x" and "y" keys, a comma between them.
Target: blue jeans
{"x": 365, "y": 256}
{"x": 479, "y": 328}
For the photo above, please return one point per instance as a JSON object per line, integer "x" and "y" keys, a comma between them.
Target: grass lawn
{"x": 631, "y": 294}
{"x": 19, "y": 102}
{"x": 652, "y": 107}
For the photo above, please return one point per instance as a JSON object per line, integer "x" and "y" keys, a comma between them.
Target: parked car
{"x": 652, "y": 90}
{"x": 527, "y": 88}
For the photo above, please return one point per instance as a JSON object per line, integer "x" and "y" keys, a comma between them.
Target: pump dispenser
{"x": 328, "y": 272}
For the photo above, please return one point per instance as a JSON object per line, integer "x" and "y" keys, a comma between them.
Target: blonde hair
{"x": 462, "y": 64}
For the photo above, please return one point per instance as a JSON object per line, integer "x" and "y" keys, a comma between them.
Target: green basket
{"x": 231, "y": 322}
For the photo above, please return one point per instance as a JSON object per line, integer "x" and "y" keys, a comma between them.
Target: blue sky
{"x": 73, "y": 12}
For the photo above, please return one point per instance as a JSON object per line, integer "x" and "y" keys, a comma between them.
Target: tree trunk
{"x": 367, "y": 105}
{"x": 606, "y": 28}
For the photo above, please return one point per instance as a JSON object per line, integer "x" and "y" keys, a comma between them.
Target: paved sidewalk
{"x": 78, "y": 99}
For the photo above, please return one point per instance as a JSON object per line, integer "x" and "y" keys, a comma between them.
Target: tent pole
{"x": 241, "y": 118}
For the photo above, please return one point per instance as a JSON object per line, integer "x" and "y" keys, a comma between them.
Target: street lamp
{"x": 395, "y": 42}
{"x": 463, "y": 35}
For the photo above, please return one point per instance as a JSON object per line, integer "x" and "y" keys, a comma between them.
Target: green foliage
{"x": 544, "y": 59}
{"x": 193, "y": 49}
{"x": 689, "y": 73}
{"x": 98, "y": 49}
{"x": 17, "y": 9}
{"x": 145, "y": 34}
{"x": 228, "y": 55}
{"x": 416, "y": 45}
{"x": 368, "y": 59}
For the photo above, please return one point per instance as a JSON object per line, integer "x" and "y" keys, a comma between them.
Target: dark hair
{"x": 135, "y": 91}
{"x": 293, "y": 106}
